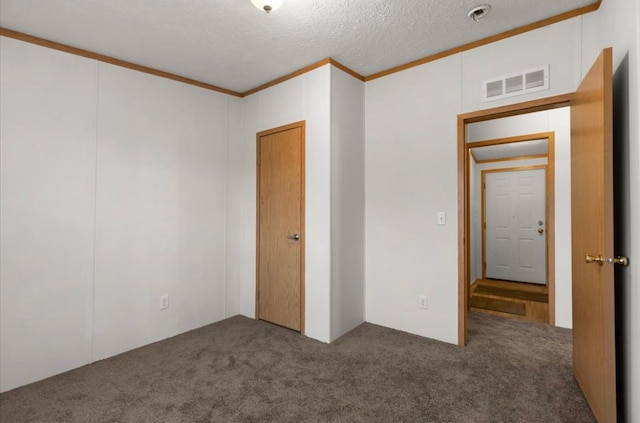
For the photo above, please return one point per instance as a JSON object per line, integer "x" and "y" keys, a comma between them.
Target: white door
{"x": 515, "y": 235}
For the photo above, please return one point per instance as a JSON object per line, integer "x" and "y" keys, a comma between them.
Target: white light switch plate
{"x": 442, "y": 218}
{"x": 164, "y": 302}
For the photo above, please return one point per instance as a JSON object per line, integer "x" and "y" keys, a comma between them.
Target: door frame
{"x": 464, "y": 226}
{"x": 302, "y": 125}
{"x": 549, "y": 212}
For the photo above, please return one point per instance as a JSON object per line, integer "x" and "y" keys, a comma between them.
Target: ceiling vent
{"x": 513, "y": 85}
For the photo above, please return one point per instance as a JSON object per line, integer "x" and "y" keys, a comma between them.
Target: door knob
{"x": 588, "y": 258}
{"x": 295, "y": 237}
{"x": 618, "y": 260}
{"x": 540, "y": 230}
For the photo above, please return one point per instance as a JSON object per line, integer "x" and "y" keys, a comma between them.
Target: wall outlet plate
{"x": 422, "y": 301}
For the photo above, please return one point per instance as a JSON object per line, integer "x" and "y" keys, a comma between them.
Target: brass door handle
{"x": 588, "y": 258}
{"x": 618, "y": 260}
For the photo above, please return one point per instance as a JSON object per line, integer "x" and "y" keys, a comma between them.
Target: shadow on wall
{"x": 622, "y": 225}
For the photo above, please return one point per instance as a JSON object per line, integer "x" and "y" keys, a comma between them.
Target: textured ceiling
{"x": 231, "y": 44}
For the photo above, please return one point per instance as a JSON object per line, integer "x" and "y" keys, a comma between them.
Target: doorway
{"x": 592, "y": 257}
{"x": 464, "y": 196}
{"x": 280, "y": 226}
{"x": 512, "y": 218}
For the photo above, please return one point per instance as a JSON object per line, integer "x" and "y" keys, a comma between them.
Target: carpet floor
{"x": 242, "y": 370}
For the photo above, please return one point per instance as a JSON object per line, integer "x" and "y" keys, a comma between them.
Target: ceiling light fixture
{"x": 267, "y": 5}
{"x": 478, "y": 12}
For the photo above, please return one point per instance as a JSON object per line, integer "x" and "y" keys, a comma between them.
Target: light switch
{"x": 442, "y": 218}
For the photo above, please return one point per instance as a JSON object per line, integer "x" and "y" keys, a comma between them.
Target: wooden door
{"x": 592, "y": 234}
{"x": 280, "y": 226}
{"x": 515, "y": 216}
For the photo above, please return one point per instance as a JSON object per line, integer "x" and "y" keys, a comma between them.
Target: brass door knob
{"x": 618, "y": 260}
{"x": 589, "y": 258}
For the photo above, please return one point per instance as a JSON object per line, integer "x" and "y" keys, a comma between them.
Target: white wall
{"x": 557, "y": 121}
{"x": 112, "y": 193}
{"x": 616, "y": 24}
{"x": 560, "y": 122}
{"x": 475, "y": 243}
{"x": 347, "y": 203}
{"x": 237, "y": 252}
{"x": 331, "y": 103}
{"x": 306, "y": 97}
{"x": 524, "y": 52}
{"x": 530, "y": 123}
{"x": 160, "y": 218}
{"x": 47, "y": 172}
{"x": 411, "y": 174}
{"x": 410, "y": 121}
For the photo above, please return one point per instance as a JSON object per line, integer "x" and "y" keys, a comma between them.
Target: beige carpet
{"x": 242, "y": 370}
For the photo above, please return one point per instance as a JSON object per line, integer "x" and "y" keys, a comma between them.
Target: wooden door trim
{"x": 548, "y": 103}
{"x": 302, "y": 125}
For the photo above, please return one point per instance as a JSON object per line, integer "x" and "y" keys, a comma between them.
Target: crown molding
{"x": 111, "y": 60}
{"x": 511, "y": 33}
{"x": 117, "y": 62}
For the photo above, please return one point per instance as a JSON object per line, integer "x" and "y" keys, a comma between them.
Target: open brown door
{"x": 592, "y": 239}
{"x": 280, "y": 226}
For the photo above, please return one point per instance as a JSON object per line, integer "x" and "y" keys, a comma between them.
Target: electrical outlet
{"x": 164, "y": 302}
{"x": 422, "y": 301}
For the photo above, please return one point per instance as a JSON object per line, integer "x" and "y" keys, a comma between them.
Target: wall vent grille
{"x": 518, "y": 84}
